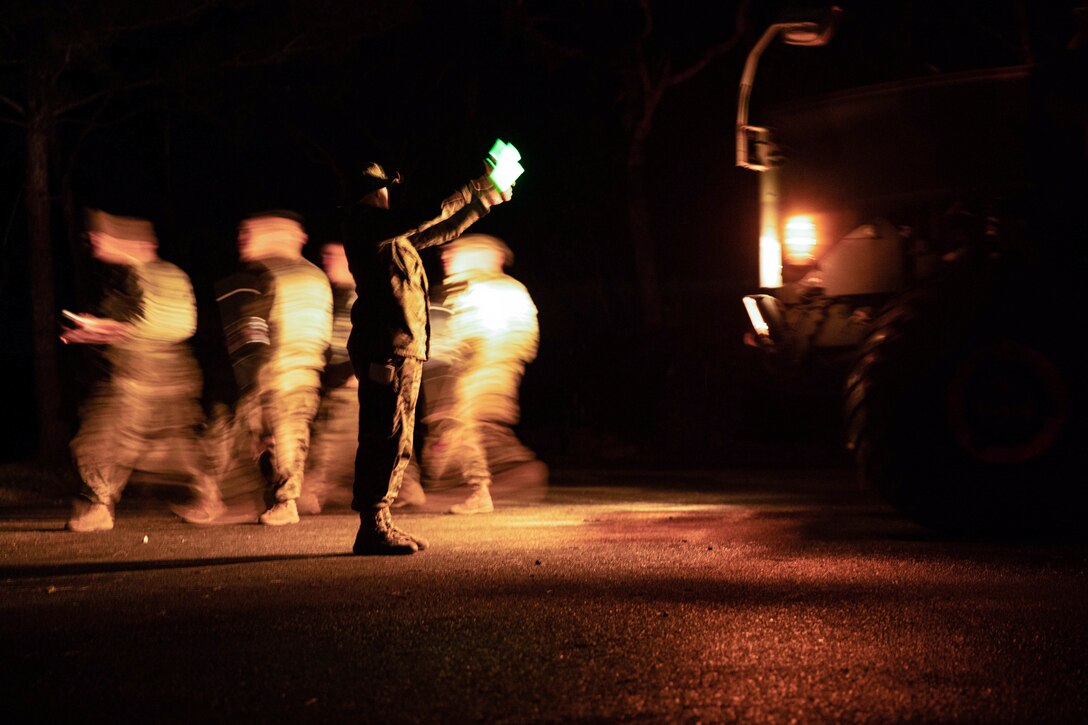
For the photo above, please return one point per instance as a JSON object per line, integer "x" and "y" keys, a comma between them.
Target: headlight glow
{"x": 800, "y": 244}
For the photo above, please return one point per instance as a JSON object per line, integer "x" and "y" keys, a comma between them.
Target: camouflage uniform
{"x": 336, "y": 427}
{"x": 280, "y": 394}
{"x": 490, "y": 336}
{"x": 146, "y": 415}
{"x": 390, "y": 334}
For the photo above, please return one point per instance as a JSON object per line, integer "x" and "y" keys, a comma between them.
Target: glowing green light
{"x": 505, "y": 158}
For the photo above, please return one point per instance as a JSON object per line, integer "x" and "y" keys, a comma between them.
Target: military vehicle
{"x": 926, "y": 237}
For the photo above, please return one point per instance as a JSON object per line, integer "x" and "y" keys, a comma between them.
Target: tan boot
{"x": 283, "y": 513}
{"x": 87, "y": 517}
{"x": 478, "y": 503}
{"x": 378, "y": 536}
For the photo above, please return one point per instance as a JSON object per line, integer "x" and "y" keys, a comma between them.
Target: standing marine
{"x": 390, "y": 337}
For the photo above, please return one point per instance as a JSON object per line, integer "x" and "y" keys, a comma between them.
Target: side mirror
{"x": 812, "y": 33}
{"x": 809, "y": 33}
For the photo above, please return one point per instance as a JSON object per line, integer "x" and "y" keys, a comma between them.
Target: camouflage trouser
{"x": 387, "y": 410}
{"x": 470, "y": 412}
{"x": 333, "y": 443}
{"x": 121, "y": 430}
{"x": 278, "y": 427}
{"x": 469, "y": 415}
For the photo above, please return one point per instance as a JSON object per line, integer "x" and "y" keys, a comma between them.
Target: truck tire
{"x": 958, "y": 407}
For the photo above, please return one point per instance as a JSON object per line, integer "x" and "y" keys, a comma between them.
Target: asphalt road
{"x": 728, "y": 596}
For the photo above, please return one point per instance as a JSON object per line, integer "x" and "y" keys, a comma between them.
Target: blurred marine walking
{"x": 146, "y": 413}
{"x": 277, "y": 318}
{"x": 492, "y": 335}
{"x": 330, "y": 466}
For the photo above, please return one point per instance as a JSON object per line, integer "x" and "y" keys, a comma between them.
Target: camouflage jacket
{"x": 156, "y": 358}
{"x": 299, "y": 324}
{"x": 391, "y": 315}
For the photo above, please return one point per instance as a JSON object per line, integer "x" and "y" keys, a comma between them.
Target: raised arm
{"x": 465, "y": 207}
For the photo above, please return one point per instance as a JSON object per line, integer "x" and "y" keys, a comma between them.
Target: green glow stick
{"x": 505, "y": 158}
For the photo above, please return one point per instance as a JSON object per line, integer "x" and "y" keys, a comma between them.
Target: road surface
{"x": 719, "y": 596}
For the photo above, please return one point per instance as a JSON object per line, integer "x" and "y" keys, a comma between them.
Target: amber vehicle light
{"x": 800, "y": 241}
{"x": 756, "y": 317}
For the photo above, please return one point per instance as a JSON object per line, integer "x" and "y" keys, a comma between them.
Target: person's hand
{"x": 485, "y": 187}
{"x": 493, "y": 196}
{"x": 91, "y": 330}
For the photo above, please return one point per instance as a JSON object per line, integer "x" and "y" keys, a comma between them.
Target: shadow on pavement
{"x": 110, "y": 567}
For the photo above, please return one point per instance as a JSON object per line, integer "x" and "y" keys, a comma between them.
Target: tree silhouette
{"x": 56, "y": 69}
{"x": 72, "y": 64}
{"x": 647, "y": 58}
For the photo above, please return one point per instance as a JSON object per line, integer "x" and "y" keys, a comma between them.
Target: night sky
{"x": 209, "y": 118}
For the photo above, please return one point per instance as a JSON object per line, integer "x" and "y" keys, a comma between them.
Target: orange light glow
{"x": 758, "y": 323}
{"x": 801, "y": 240}
{"x": 770, "y": 261}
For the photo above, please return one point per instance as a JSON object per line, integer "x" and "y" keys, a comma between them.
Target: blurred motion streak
{"x": 484, "y": 333}
{"x": 331, "y": 464}
{"x": 145, "y": 415}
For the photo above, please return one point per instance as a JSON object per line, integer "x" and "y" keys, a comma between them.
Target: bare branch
{"x": 531, "y": 27}
{"x": 87, "y": 100}
{"x": 647, "y": 21}
{"x": 321, "y": 153}
{"x": 185, "y": 14}
{"x": 276, "y": 56}
{"x": 92, "y": 123}
{"x": 12, "y": 104}
{"x": 294, "y": 47}
{"x": 640, "y": 48}
{"x": 740, "y": 27}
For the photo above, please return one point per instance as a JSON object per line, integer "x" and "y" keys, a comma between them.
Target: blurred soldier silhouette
{"x": 472, "y": 402}
{"x": 330, "y": 466}
{"x": 146, "y": 414}
{"x": 277, "y": 321}
{"x": 389, "y": 338}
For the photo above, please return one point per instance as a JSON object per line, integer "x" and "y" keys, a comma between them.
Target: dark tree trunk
{"x": 51, "y": 433}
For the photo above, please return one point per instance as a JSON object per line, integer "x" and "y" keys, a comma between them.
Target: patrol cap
{"x": 133, "y": 229}
{"x": 375, "y": 177}
{"x": 483, "y": 241}
{"x": 271, "y": 232}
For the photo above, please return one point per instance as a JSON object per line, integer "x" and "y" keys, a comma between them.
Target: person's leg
{"x": 475, "y": 471}
{"x": 291, "y": 416}
{"x": 470, "y": 450}
{"x": 104, "y": 450}
{"x": 330, "y": 464}
{"x": 233, "y": 441}
{"x": 387, "y": 400}
{"x": 172, "y": 446}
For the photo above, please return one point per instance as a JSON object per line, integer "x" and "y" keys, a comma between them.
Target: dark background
{"x": 229, "y": 107}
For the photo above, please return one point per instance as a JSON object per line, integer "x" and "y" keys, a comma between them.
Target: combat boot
{"x": 88, "y": 516}
{"x": 283, "y": 513}
{"x": 379, "y": 537}
{"x": 478, "y": 503}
